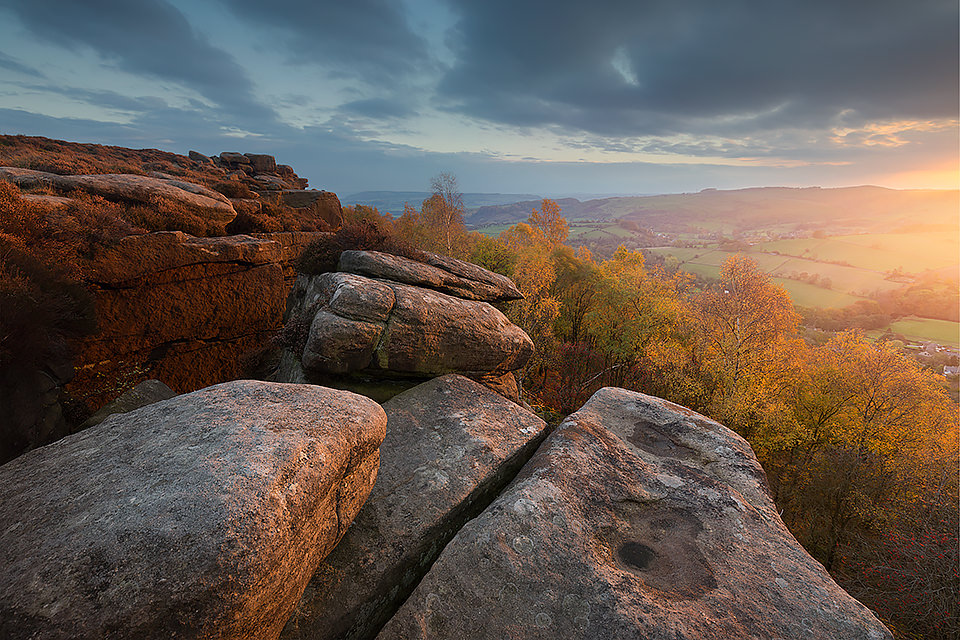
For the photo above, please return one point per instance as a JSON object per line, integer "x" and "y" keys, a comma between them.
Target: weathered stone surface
{"x": 340, "y": 345}
{"x": 451, "y": 445}
{"x": 505, "y": 384}
{"x": 233, "y": 158}
{"x": 262, "y": 162}
{"x": 480, "y": 284}
{"x": 200, "y": 516}
{"x": 397, "y": 328}
{"x": 470, "y": 271}
{"x": 659, "y": 527}
{"x": 292, "y": 244}
{"x": 196, "y": 156}
{"x": 147, "y": 392}
{"x": 129, "y": 187}
{"x": 135, "y": 257}
{"x": 433, "y": 333}
{"x": 326, "y": 203}
{"x": 179, "y": 309}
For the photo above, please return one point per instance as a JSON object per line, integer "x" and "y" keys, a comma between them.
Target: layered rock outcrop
{"x": 130, "y": 188}
{"x": 183, "y": 310}
{"x": 200, "y": 516}
{"x": 262, "y": 168}
{"x": 636, "y": 519}
{"x": 451, "y": 446}
{"x": 447, "y": 275}
{"x": 353, "y": 323}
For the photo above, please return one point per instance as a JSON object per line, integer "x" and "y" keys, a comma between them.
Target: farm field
{"x": 801, "y": 293}
{"x": 923, "y": 329}
{"x": 910, "y": 252}
{"x": 591, "y": 232}
{"x": 808, "y": 295}
{"x": 847, "y": 280}
{"x": 493, "y": 230}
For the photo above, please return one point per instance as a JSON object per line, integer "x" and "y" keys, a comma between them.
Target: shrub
{"x": 323, "y": 254}
{"x": 162, "y": 214}
{"x": 234, "y": 189}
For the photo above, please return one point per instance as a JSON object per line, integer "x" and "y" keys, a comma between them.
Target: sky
{"x": 526, "y": 96}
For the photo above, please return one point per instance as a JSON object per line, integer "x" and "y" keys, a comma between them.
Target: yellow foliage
{"x": 549, "y": 221}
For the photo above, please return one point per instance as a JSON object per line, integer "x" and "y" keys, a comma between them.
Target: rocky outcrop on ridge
{"x": 451, "y": 446}
{"x": 352, "y": 323}
{"x": 277, "y": 183}
{"x": 636, "y": 519}
{"x": 183, "y": 310}
{"x": 200, "y": 516}
{"x": 129, "y": 188}
{"x": 262, "y": 168}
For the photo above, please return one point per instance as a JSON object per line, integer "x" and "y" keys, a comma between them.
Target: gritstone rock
{"x": 635, "y": 519}
{"x": 200, "y": 516}
{"x": 357, "y": 323}
{"x": 451, "y": 445}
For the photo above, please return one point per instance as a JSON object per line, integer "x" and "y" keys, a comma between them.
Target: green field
{"x": 870, "y": 255}
{"x": 493, "y": 230}
{"x": 925, "y": 329}
{"x": 593, "y": 232}
{"x": 909, "y": 252}
{"x": 808, "y": 295}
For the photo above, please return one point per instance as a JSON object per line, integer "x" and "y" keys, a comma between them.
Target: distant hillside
{"x": 863, "y": 208}
{"x": 393, "y": 201}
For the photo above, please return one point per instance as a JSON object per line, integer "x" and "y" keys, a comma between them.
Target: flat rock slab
{"x": 160, "y": 252}
{"x": 358, "y": 323}
{"x": 451, "y": 276}
{"x": 200, "y": 516}
{"x": 662, "y": 531}
{"x": 451, "y": 446}
{"x": 129, "y": 187}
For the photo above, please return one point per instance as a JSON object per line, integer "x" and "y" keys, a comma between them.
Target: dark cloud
{"x": 344, "y": 164}
{"x": 621, "y": 67}
{"x": 100, "y": 98}
{"x": 379, "y": 108}
{"x": 146, "y": 37}
{"x": 11, "y": 64}
{"x": 370, "y": 40}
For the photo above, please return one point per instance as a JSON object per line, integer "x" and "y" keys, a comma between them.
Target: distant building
{"x": 951, "y": 372}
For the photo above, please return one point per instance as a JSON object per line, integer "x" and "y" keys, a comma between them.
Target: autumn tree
{"x": 637, "y": 319}
{"x": 442, "y": 213}
{"x": 549, "y": 221}
{"x": 743, "y": 318}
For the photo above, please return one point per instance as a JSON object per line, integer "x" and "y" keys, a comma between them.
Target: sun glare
{"x": 945, "y": 175}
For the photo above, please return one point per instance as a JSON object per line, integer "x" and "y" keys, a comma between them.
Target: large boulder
{"x": 262, "y": 162}
{"x": 200, "y": 516}
{"x": 326, "y": 203}
{"x": 474, "y": 284}
{"x": 636, "y": 519}
{"x": 356, "y": 323}
{"x": 451, "y": 446}
{"x": 130, "y": 188}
